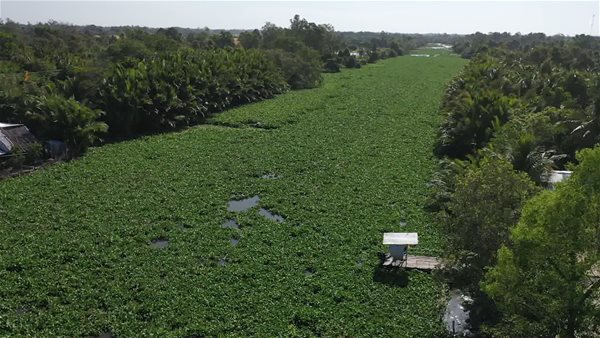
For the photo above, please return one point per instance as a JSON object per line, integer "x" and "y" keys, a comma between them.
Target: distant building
{"x": 15, "y": 138}
{"x": 438, "y": 45}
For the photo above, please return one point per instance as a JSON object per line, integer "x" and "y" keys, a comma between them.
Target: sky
{"x": 550, "y": 17}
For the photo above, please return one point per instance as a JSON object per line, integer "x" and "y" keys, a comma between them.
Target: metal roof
{"x": 8, "y": 125}
{"x": 15, "y": 137}
{"x": 400, "y": 238}
{"x": 5, "y": 144}
{"x": 556, "y": 176}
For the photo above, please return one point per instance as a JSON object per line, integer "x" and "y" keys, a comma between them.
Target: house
{"x": 15, "y": 138}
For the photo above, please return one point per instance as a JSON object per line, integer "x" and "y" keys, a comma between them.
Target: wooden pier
{"x": 414, "y": 262}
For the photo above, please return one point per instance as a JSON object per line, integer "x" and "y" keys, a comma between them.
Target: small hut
{"x": 399, "y": 242}
{"x": 15, "y": 138}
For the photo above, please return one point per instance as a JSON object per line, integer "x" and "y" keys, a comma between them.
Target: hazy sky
{"x": 550, "y": 17}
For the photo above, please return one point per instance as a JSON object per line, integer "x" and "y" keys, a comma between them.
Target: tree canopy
{"x": 544, "y": 281}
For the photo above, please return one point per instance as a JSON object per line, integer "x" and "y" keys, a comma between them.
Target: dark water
{"x": 269, "y": 215}
{"x": 223, "y": 261}
{"x": 230, "y": 224}
{"x": 243, "y": 204}
{"x": 270, "y": 176}
{"x": 104, "y": 335}
{"x": 159, "y": 243}
{"x": 456, "y": 314}
{"x": 309, "y": 272}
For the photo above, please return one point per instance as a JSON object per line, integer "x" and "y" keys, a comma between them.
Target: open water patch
{"x": 456, "y": 315}
{"x": 184, "y": 226}
{"x": 22, "y": 311}
{"x": 159, "y": 243}
{"x": 309, "y": 272}
{"x": 230, "y": 224}
{"x": 270, "y": 176}
{"x": 269, "y": 215}
{"x": 243, "y": 204}
{"x": 234, "y": 241}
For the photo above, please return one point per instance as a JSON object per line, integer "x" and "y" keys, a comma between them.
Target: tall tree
{"x": 544, "y": 282}
{"x": 486, "y": 204}
{"x": 250, "y": 39}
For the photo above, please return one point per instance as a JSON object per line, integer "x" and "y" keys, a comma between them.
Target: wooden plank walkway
{"x": 414, "y": 262}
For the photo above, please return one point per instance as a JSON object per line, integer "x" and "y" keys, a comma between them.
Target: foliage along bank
{"x": 523, "y": 106}
{"x": 84, "y": 84}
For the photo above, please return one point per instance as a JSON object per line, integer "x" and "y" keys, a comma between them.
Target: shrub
{"x": 373, "y": 56}
{"x": 15, "y": 160}
{"x": 55, "y": 117}
{"x": 300, "y": 72}
{"x": 350, "y": 62}
{"x": 471, "y": 122}
{"x": 181, "y": 88}
{"x": 331, "y": 66}
{"x": 34, "y": 153}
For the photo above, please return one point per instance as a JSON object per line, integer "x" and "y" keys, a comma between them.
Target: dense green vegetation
{"x": 129, "y": 240}
{"x": 523, "y": 106}
{"x": 350, "y": 160}
{"x": 553, "y": 259}
{"x": 114, "y": 83}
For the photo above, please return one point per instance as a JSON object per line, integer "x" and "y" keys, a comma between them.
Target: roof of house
{"x": 5, "y": 144}
{"x": 9, "y": 125}
{"x": 15, "y": 136}
{"x": 400, "y": 238}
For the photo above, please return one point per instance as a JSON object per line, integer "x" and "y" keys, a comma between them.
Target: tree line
{"x": 83, "y": 85}
{"x": 529, "y": 256}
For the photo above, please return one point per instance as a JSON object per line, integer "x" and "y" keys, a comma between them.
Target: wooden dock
{"x": 414, "y": 262}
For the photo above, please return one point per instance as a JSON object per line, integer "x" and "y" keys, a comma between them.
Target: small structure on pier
{"x": 399, "y": 242}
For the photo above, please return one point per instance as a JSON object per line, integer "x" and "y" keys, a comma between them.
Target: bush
{"x": 181, "y": 88}
{"x": 331, "y": 66}
{"x": 55, "y": 117}
{"x": 15, "y": 160}
{"x": 472, "y": 120}
{"x": 373, "y": 56}
{"x": 34, "y": 153}
{"x": 300, "y": 72}
{"x": 350, "y": 62}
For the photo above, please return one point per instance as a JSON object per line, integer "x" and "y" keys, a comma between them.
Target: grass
{"x": 352, "y": 159}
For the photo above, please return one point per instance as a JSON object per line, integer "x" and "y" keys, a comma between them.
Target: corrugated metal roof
{"x": 400, "y": 238}
{"x": 5, "y": 144}
{"x": 15, "y": 137}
